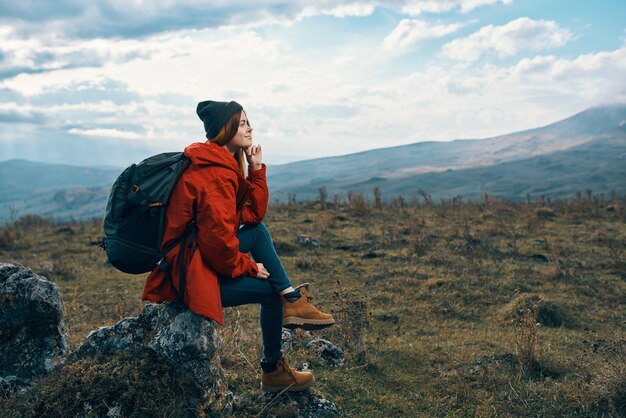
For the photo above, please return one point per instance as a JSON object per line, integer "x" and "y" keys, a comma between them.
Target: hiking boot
{"x": 301, "y": 314}
{"x": 286, "y": 378}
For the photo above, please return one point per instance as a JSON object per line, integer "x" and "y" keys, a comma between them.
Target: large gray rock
{"x": 186, "y": 340}
{"x": 32, "y": 335}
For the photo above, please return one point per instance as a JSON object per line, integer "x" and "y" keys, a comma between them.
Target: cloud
{"x": 39, "y": 36}
{"x": 417, "y": 7}
{"x": 78, "y": 92}
{"x": 508, "y": 40}
{"x": 11, "y": 96}
{"x": 132, "y": 19}
{"x": 598, "y": 76}
{"x": 38, "y": 55}
{"x": 106, "y": 133}
{"x": 342, "y": 10}
{"x": 349, "y": 97}
{"x": 411, "y": 31}
{"x": 21, "y": 116}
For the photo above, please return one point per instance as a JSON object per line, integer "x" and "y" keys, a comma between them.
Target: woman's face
{"x": 243, "y": 137}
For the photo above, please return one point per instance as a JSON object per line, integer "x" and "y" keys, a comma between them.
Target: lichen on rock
{"x": 32, "y": 335}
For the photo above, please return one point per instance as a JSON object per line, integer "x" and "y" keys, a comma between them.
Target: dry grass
{"x": 437, "y": 303}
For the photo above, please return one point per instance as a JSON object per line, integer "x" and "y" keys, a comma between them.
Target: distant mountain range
{"x": 585, "y": 151}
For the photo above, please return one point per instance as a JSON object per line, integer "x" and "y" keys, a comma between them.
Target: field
{"x": 456, "y": 308}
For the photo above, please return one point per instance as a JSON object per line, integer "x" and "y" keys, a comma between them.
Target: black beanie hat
{"x": 214, "y": 115}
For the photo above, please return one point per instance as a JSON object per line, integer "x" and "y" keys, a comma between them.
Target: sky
{"x": 110, "y": 82}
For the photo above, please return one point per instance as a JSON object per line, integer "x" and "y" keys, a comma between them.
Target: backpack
{"x": 134, "y": 219}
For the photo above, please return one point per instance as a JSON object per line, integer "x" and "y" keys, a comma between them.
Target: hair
{"x": 226, "y": 134}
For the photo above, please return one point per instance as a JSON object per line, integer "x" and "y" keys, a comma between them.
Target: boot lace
{"x": 288, "y": 368}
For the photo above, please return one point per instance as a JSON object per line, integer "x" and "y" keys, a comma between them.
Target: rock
{"x": 187, "y": 341}
{"x": 307, "y": 241}
{"x": 12, "y": 384}
{"x": 328, "y": 353}
{"x": 32, "y": 334}
{"x": 287, "y": 339}
{"x": 305, "y": 404}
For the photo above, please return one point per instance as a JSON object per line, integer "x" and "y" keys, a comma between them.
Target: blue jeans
{"x": 244, "y": 290}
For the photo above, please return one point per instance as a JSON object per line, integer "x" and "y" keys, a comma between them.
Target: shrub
{"x": 526, "y": 339}
{"x": 31, "y": 221}
{"x": 378, "y": 203}
{"x": 357, "y": 203}
{"x": 7, "y": 238}
{"x": 545, "y": 312}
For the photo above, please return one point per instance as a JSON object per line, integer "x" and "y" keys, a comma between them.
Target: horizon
{"x": 113, "y": 167}
{"x": 108, "y": 84}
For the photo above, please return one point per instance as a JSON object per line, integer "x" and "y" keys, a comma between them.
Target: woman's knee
{"x": 260, "y": 228}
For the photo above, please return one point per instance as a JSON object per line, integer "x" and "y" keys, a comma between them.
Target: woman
{"x": 229, "y": 208}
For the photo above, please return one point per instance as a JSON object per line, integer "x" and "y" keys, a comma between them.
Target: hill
{"x": 53, "y": 190}
{"x": 585, "y": 151}
{"x": 401, "y": 170}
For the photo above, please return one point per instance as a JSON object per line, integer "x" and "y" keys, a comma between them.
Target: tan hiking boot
{"x": 301, "y": 314}
{"x": 286, "y": 378}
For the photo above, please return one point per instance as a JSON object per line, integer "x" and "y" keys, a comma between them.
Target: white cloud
{"x": 138, "y": 18}
{"x": 347, "y": 98}
{"x": 331, "y": 105}
{"x": 410, "y": 31}
{"x": 509, "y": 39}
{"x": 598, "y": 76}
{"x": 35, "y": 55}
{"x": 341, "y": 10}
{"x": 106, "y": 133}
{"x": 417, "y": 7}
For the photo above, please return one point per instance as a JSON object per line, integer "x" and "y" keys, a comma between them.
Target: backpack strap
{"x": 182, "y": 272}
{"x": 165, "y": 268}
{"x": 191, "y": 232}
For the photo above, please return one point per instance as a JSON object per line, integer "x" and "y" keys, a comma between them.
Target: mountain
{"x": 585, "y": 151}
{"x": 53, "y": 190}
{"x": 401, "y": 170}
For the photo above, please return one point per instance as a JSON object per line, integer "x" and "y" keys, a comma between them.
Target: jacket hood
{"x": 209, "y": 153}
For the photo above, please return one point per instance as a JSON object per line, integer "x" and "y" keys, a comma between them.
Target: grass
{"x": 437, "y": 303}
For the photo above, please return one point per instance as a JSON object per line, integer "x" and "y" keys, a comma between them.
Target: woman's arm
{"x": 217, "y": 224}
{"x": 255, "y": 212}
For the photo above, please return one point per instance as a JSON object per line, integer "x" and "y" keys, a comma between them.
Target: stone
{"x": 184, "y": 339}
{"x": 287, "y": 339}
{"x": 327, "y": 352}
{"x": 305, "y": 404}
{"x": 32, "y": 335}
{"x": 307, "y": 241}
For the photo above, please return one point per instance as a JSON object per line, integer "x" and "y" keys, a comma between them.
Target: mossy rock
{"x": 129, "y": 384}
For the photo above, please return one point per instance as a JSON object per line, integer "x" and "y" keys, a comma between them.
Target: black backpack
{"x": 134, "y": 220}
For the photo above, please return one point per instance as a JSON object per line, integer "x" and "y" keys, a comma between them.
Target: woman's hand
{"x": 263, "y": 273}
{"x": 254, "y": 155}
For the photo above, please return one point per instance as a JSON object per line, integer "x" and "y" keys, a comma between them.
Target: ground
{"x": 456, "y": 308}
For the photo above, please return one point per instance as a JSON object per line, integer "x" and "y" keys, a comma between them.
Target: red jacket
{"x": 214, "y": 182}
